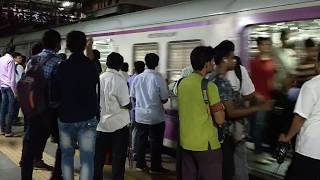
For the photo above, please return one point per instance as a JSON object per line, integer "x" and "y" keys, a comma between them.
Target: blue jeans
{"x": 7, "y": 109}
{"x": 258, "y": 127}
{"x": 85, "y": 134}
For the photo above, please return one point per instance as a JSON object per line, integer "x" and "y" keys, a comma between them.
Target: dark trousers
{"x": 228, "y": 169}
{"x": 116, "y": 142}
{"x": 303, "y": 167}
{"x": 6, "y": 110}
{"x": 204, "y": 165}
{"x": 156, "y": 133}
{"x": 36, "y": 135}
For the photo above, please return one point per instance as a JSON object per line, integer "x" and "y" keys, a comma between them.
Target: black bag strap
{"x": 238, "y": 73}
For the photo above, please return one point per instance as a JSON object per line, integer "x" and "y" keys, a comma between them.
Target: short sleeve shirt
{"x": 246, "y": 87}
{"x": 308, "y": 107}
{"x": 114, "y": 95}
{"x": 197, "y": 129}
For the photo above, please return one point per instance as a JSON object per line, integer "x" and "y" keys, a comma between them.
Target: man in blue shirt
{"x": 150, "y": 92}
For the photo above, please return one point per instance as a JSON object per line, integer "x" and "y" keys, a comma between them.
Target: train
{"x": 173, "y": 31}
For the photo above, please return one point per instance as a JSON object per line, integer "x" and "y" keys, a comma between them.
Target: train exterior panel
{"x": 208, "y": 21}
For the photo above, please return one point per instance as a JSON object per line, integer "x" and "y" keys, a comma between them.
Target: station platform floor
{"x": 10, "y": 154}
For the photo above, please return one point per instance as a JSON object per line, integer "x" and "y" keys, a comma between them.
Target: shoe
{"x": 42, "y": 165}
{"x": 144, "y": 169}
{"x": 9, "y": 135}
{"x": 160, "y": 171}
{"x": 2, "y": 133}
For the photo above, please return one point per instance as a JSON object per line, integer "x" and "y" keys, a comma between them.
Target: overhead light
{"x": 66, "y": 4}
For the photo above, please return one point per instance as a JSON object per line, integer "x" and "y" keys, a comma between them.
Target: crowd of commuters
{"x": 220, "y": 107}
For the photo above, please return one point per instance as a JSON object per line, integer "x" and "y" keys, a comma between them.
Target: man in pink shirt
{"x": 8, "y": 86}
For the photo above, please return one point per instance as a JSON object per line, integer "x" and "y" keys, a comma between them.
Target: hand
{"x": 266, "y": 106}
{"x": 284, "y": 138}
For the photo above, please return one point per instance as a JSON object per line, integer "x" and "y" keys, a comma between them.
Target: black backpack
{"x": 32, "y": 89}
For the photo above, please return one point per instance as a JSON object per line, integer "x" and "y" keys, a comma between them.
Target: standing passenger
{"x": 150, "y": 92}
{"x": 8, "y": 91}
{"x": 201, "y": 150}
{"x": 138, "y": 68}
{"x": 77, "y": 80}
{"x": 234, "y": 149}
{"x": 262, "y": 72}
{"x": 39, "y": 128}
{"x": 113, "y": 130}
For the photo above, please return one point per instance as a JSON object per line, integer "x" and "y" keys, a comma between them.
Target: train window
{"x": 140, "y": 50}
{"x": 179, "y": 57}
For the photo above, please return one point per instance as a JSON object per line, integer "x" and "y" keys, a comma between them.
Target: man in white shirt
{"x": 150, "y": 92}
{"x": 306, "y": 122}
{"x": 112, "y": 130}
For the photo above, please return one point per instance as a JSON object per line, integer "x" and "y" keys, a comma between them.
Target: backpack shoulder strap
{"x": 204, "y": 90}
{"x": 238, "y": 73}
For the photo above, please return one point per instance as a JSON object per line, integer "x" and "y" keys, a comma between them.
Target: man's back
{"x": 196, "y": 126}
{"x": 7, "y": 70}
{"x": 77, "y": 79}
{"x": 149, "y": 89}
{"x": 114, "y": 95}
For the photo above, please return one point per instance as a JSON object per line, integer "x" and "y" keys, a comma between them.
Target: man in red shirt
{"x": 262, "y": 74}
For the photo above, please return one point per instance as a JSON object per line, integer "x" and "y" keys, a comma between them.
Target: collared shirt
{"x": 49, "y": 71}
{"x": 197, "y": 130}
{"x": 308, "y": 107}
{"x": 77, "y": 81}
{"x": 51, "y": 66}
{"x": 114, "y": 96}
{"x": 149, "y": 89}
{"x": 7, "y": 72}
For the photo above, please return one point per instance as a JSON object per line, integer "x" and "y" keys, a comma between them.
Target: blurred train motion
{"x": 173, "y": 31}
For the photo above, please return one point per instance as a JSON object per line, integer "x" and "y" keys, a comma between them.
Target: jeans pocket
{"x": 92, "y": 123}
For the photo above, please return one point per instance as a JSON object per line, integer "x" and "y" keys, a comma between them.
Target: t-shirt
{"x": 308, "y": 107}
{"x": 247, "y": 86}
{"x": 197, "y": 129}
{"x": 262, "y": 73}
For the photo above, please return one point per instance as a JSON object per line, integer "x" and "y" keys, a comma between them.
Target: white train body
{"x": 209, "y": 21}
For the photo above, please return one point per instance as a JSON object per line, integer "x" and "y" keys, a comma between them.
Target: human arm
{"x": 294, "y": 129}
{"x": 304, "y": 107}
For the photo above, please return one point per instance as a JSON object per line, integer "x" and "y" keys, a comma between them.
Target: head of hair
{"x": 261, "y": 39}
{"x": 51, "y": 39}
{"x": 309, "y": 43}
{"x": 96, "y": 54}
{"x": 139, "y": 66}
{"x": 200, "y": 56}
{"x": 24, "y": 60}
{"x": 223, "y": 50}
{"x": 63, "y": 56}
{"x": 125, "y": 67}
{"x": 16, "y": 54}
{"x": 36, "y": 48}
{"x": 76, "y": 41}
{"x": 114, "y": 61}
{"x": 152, "y": 60}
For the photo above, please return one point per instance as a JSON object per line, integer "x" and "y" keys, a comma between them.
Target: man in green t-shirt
{"x": 201, "y": 153}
